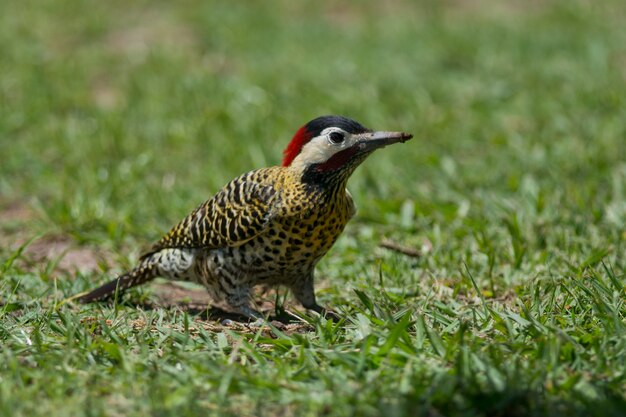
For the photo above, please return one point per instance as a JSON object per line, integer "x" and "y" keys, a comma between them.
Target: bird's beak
{"x": 375, "y": 140}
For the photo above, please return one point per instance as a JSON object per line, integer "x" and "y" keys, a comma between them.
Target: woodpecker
{"x": 269, "y": 226}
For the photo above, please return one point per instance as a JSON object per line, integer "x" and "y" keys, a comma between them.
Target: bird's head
{"x": 329, "y": 148}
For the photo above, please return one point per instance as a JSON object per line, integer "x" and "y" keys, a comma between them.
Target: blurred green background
{"x": 119, "y": 114}
{"x": 117, "y": 118}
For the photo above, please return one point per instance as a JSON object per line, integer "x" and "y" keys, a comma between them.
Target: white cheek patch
{"x": 318, "y": 150}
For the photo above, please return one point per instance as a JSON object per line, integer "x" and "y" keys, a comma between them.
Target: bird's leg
{"x": 305, "y": 294}
{"x": 240, "y": 304}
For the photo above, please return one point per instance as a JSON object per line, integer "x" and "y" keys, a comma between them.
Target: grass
{"x": 119, "y": 118}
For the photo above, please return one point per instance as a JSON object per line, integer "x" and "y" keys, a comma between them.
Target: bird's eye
{"x": 336, "y": 138}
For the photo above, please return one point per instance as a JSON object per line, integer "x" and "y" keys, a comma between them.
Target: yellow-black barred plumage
{"x": 268, "y": 226}
{"x": 237, "y": 213}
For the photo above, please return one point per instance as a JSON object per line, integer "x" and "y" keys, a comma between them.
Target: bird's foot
{"x": 258, "y": 323}
{"x": 257, "y": 319}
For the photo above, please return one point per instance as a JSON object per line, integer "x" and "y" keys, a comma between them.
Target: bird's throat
{"x": 334, "y": 173}
{"x": 337, "y": 161}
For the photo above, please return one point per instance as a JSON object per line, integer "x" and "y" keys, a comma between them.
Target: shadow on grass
{"x": 453, "y": 397}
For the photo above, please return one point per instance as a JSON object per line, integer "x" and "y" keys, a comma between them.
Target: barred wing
{"x": 236, "y": 214}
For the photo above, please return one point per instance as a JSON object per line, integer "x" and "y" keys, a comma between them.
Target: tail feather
{"x": 141, "y": 274}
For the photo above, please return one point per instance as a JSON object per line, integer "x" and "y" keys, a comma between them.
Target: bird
{"x": 269, "y": 226}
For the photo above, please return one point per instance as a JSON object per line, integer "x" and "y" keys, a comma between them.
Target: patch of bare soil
{"x": 172, "y": 295}
{"x": 60, "y": 250}
{"x": 15, "y": 212}
{"x": 68, "y": 256}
